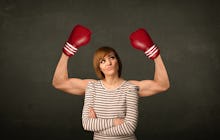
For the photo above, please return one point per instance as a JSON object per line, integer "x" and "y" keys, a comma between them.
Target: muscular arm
{"x": 62, "y": 82}
{"x": 160, "y": 82}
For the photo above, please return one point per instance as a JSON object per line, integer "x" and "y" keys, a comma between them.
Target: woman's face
{"x": 109, "y": 65}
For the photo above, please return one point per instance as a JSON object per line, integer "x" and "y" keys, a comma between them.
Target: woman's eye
{"x": 112, "y": 57}
{"x": 102, "y": 61}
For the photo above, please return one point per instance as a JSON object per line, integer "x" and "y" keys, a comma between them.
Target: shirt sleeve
{"x": 93, "y": 124}
{"x": 130, "y": 120}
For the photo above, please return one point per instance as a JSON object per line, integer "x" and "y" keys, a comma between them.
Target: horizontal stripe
{"x": 109, "y": 104}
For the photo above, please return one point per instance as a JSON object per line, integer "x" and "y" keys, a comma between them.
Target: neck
{"x": 112, "y": 82}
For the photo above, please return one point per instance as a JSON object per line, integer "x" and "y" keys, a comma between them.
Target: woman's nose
{"x": 109, "y": 62}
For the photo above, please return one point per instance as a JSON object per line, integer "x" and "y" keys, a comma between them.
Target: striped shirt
{"x": 121, "y": 102}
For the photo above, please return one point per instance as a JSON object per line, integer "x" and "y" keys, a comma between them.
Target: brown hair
{"x": 100, "y": 54}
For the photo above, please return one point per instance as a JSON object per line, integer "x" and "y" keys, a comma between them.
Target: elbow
{"x": 54, "y": 84}
{"x": 131, "y": 127}
{"x": 131, "y": 131}
{"x": 57, "y": 86}
{"x": 85, "y": 126}
{"x": 165, "y": 87}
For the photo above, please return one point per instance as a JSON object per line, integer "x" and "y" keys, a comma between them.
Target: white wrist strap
{"x": 151, "y": 51}
{"x": 70, "y": 48}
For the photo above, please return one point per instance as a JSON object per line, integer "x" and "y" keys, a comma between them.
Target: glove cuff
{"x": 152, "y": 52}
{"x": 69, "y": 49}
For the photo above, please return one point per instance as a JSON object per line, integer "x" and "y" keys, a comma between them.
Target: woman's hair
{"x": 100, "y": 54}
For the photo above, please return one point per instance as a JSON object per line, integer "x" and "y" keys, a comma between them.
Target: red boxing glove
{"x": 79, "y": 36}
{"x": 141, "y": 40}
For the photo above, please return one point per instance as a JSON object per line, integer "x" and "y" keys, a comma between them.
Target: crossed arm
{"x": 115, "y": 126}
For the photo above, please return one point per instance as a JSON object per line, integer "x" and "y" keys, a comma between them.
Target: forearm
{"x": 127, "y": 128}
{"x": 130, "y": 120}
{"x": 160, "y": 75}
{"x": 61, "y": 72}
{"x": 96, "y": 124}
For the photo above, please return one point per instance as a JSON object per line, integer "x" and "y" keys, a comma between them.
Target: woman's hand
{"x": 118, "y": 121}
{"x": 92, "y": 113}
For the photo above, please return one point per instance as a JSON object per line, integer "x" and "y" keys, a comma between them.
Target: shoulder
{"x": 93, "y": 83}
{"x": 134, "y": 82}
{"x": 131, "y": 91}
{"x": 91, "y": 87}
{"x": 131, "y": 87}
{"x": 143, "y": 84}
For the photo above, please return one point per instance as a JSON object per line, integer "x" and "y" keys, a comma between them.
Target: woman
{"x": 110, "y": 80}
{"x": 110, "y": 106}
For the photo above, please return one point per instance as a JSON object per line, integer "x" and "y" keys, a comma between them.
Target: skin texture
{"x": 77, "y": 86}
{"x": 109, "y": 66}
